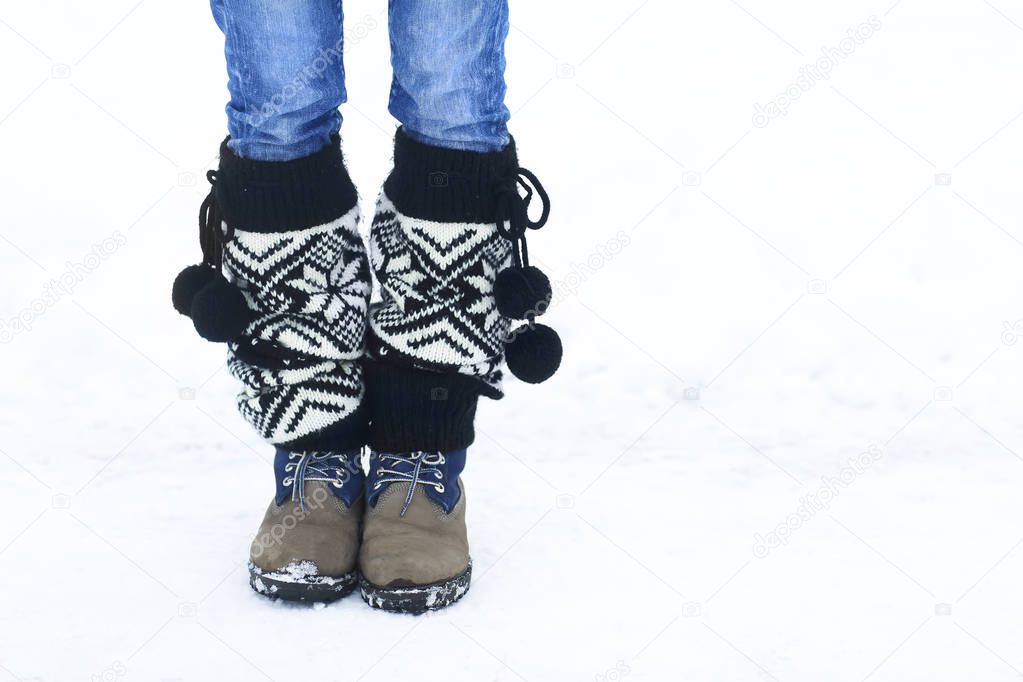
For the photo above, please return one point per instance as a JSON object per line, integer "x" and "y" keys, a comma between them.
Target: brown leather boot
{"x": 415, "y": 551}
{"x": 307, "y": 545}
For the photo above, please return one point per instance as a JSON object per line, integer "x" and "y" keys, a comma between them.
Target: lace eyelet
{"x": 440, "y": 488}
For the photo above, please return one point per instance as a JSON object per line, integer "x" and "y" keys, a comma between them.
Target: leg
{"x": 281, "y": 220}
{"x": 449, "y": 227}
{"x": 281, "y": 223}
{"x": 285, "y": 75}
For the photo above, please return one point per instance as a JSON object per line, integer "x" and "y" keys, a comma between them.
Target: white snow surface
{"x": 745, "y": 309}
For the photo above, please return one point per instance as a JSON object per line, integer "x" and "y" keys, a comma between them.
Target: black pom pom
{"x": 534, "y": 355}
{"x": 219, "y": 311}
{"x": 188, "y": 283}
{"x": 520, "y": 292}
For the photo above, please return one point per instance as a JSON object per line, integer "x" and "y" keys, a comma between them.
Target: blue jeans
{"x": 286, "y": 73}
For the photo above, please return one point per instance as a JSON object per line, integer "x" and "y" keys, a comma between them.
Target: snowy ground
{"x": 747, "y": 306}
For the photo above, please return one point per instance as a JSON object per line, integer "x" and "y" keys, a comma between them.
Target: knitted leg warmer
{"x": 443, "y": 232}
{"x": 285, "y": 234}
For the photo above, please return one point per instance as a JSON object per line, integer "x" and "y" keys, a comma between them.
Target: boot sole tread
{"x": 417, "y": 599}
{"x": 279, "y": 585}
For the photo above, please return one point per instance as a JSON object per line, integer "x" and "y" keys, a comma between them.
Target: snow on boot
{"x": 415, "y": 553}
{"x": 307, "y": 545}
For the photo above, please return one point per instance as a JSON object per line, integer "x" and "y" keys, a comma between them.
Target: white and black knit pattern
{"x": 437, "y": 308}
{"x": 310, "y": 288}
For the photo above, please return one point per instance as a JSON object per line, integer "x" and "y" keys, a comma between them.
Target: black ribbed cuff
{"x": 413, "y": 409}
{"x": 447, "y": 185}
{"x": 279, "y": 196}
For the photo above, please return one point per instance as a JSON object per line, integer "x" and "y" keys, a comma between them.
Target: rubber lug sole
{"x": 417, "y": 599}
{"x": 300, "y": 584}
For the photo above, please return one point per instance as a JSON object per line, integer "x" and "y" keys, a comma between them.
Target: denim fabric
{"x": 286, "y": 75}
{"x": 448, "y": 62}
